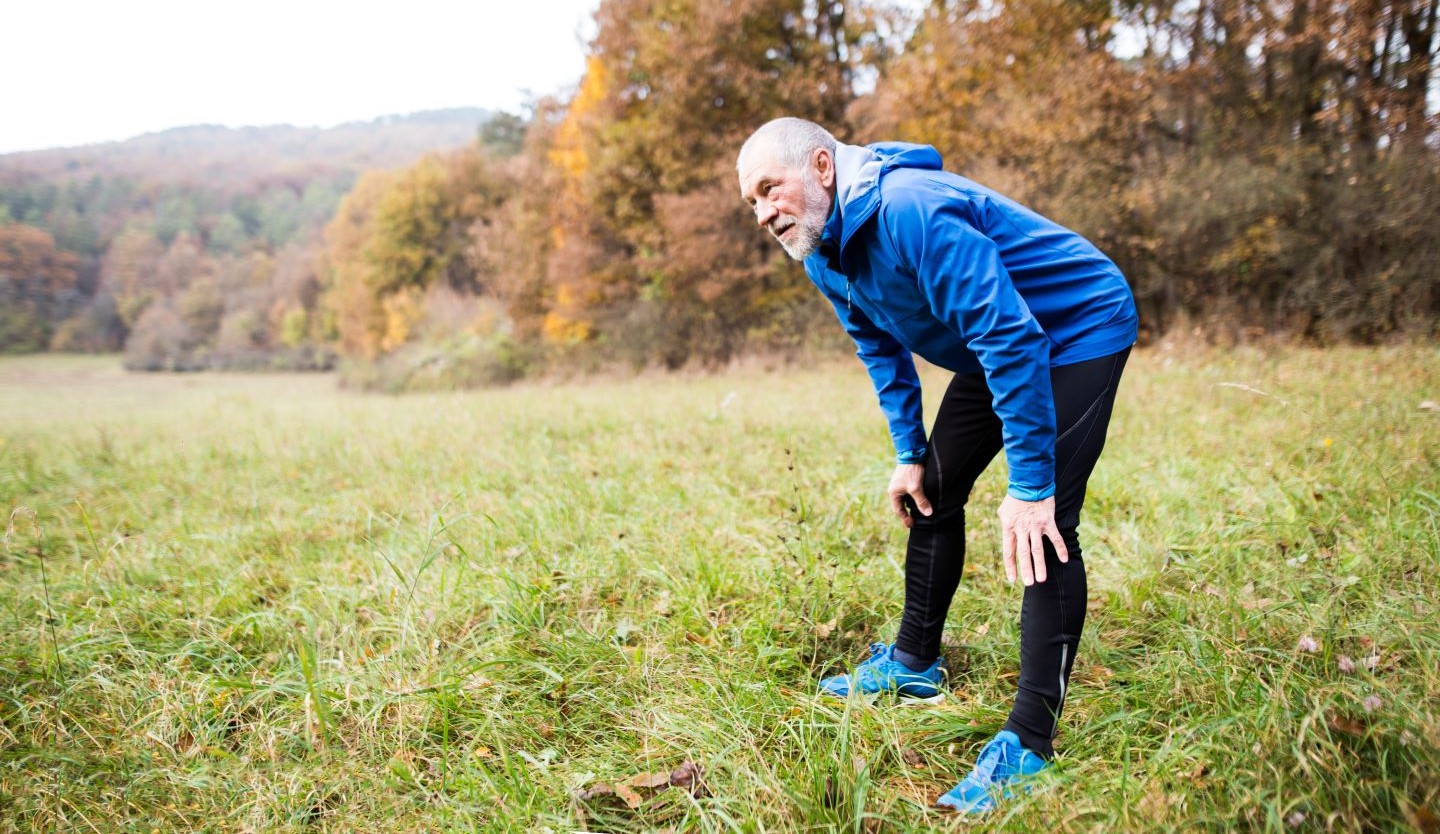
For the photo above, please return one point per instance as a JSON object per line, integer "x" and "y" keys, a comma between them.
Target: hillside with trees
{"x": 1254, "y": 166}
{"x": 193, "y": 247}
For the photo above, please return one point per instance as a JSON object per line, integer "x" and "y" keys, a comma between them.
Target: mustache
{"x": 779, "y": 227}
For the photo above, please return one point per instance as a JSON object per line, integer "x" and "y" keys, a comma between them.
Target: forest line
{"x": 1259, "y": 166}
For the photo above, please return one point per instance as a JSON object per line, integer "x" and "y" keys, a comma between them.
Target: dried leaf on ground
{"x": 1424, "y": 820}
{"x": 650, "y": 780}
{"x": 600, "y": 789}
{"x": 687, "y": 776}
{"x": 627, "y": 793}
{"x": 634, "y": 790}
{"x": 1347, "y": 725}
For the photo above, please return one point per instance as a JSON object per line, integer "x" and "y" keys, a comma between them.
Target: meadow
{"x": 262, "y": 603}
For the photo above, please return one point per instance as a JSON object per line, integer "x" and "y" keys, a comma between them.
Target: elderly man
{"x": 1036, "y": 324}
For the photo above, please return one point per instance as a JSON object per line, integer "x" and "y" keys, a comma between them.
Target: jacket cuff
{"x": 910, "y": 455}
{"x": 1024, "y": 493}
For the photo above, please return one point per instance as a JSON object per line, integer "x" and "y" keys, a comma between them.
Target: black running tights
{"x": 965, "y": 438}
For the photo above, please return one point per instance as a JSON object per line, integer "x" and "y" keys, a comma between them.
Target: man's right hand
{"x": 909, "y": 479}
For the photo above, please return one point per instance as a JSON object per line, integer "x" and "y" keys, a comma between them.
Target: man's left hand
{"x": 908, "y": 482}
{"x": 1024, "y": 526}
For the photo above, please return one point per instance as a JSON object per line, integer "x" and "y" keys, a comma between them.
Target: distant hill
{"x": 197, "y": 236}
{"x": 228, "y": 159}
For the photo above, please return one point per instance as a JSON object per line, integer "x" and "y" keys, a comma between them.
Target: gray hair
{"x": 792, "y": 141}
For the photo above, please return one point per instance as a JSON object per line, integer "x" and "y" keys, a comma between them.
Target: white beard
{"x": 810, "y": 225}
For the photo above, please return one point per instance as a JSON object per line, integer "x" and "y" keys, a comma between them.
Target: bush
{"x": 162, "y": 341}
{"x": 467, "y": 361}
{"x": 95, "y": 329}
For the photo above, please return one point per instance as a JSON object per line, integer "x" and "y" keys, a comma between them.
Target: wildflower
{"x": 1307, "y": 644}
{"x": 1372, "y": 661}
{"x": 1295, "y": 819}
{"x": 1371, "y": 703}
{"x": 1329, "y": 441}
{"x": 1347, "y": 666}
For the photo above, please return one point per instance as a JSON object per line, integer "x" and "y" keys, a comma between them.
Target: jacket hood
{"x": 858, "y": 169}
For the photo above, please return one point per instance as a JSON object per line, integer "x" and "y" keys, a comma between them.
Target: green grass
{"x": 235, "y": 603}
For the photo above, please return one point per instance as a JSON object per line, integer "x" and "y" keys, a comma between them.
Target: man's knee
{"x": 943, "y": 515}
{"x": 1071, "y": 537}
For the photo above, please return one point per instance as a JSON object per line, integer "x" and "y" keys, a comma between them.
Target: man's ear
{"x": 823, "y": 164}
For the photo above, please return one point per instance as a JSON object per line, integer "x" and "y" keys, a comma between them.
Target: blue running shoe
{"x": 1003, "y": 769}
{"x": 882, "y": 673}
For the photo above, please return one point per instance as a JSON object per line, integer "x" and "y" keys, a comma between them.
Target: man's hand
{"x": 909, "y": 479}
{"x": 1024, "y": 526}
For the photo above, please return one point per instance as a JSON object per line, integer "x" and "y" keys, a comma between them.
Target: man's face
{"x": 792, "y": 204}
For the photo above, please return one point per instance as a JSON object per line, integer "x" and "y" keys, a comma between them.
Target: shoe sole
{"x": 1024, "y": 787}
{"x": 916, "y": 701}
{"x": 970, "y": 810}
{"x": 901, "y": 700}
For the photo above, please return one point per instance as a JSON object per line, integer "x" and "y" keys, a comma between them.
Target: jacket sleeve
{"x": 958, "y": 270}
{"x": 892, "y": 371}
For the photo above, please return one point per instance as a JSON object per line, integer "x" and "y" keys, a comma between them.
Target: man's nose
{"x": 764, "y": 212}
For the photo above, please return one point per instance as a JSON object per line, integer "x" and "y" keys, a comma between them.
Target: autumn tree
{"x": 516, "y": 244}
{"x": 1294, "y": 169}
{"x": 1255, "y": 163}
{"x": 1027, "y": 96}
{"x": 670, "y": 91}
{"x": 397, "y": 235}
{"x": 37, "y": 288}
{"x": 349, "y": 300}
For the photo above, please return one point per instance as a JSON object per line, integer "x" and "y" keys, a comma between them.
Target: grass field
{"x": 238, "y": 603}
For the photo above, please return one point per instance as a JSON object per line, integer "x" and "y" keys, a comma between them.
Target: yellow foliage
{"x": 569, "y": 154}
{"x": 294, "y": 327}
{"x": 349, "y": 302}
{"x": 408, "y": 224}
{"x": 560, "y": 330}
{"x": 402, "y": 311}
{"x": 562, "y": 325}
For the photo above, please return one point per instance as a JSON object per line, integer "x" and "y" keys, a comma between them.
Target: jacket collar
{"x": 857, "y": 173}
{"x": 858, "y": 170}
{"x": 857, "y": 193}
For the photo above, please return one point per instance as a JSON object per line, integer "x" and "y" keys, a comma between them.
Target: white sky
{"x": 87, "y": 71}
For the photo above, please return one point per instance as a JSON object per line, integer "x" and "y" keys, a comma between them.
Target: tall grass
{"x": 261, "y": 604}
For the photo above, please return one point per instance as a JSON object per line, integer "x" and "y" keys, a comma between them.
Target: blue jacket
{"x": 920, "y": 261}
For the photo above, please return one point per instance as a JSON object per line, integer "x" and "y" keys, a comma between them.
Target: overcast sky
{"x": 83, "y": 71}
